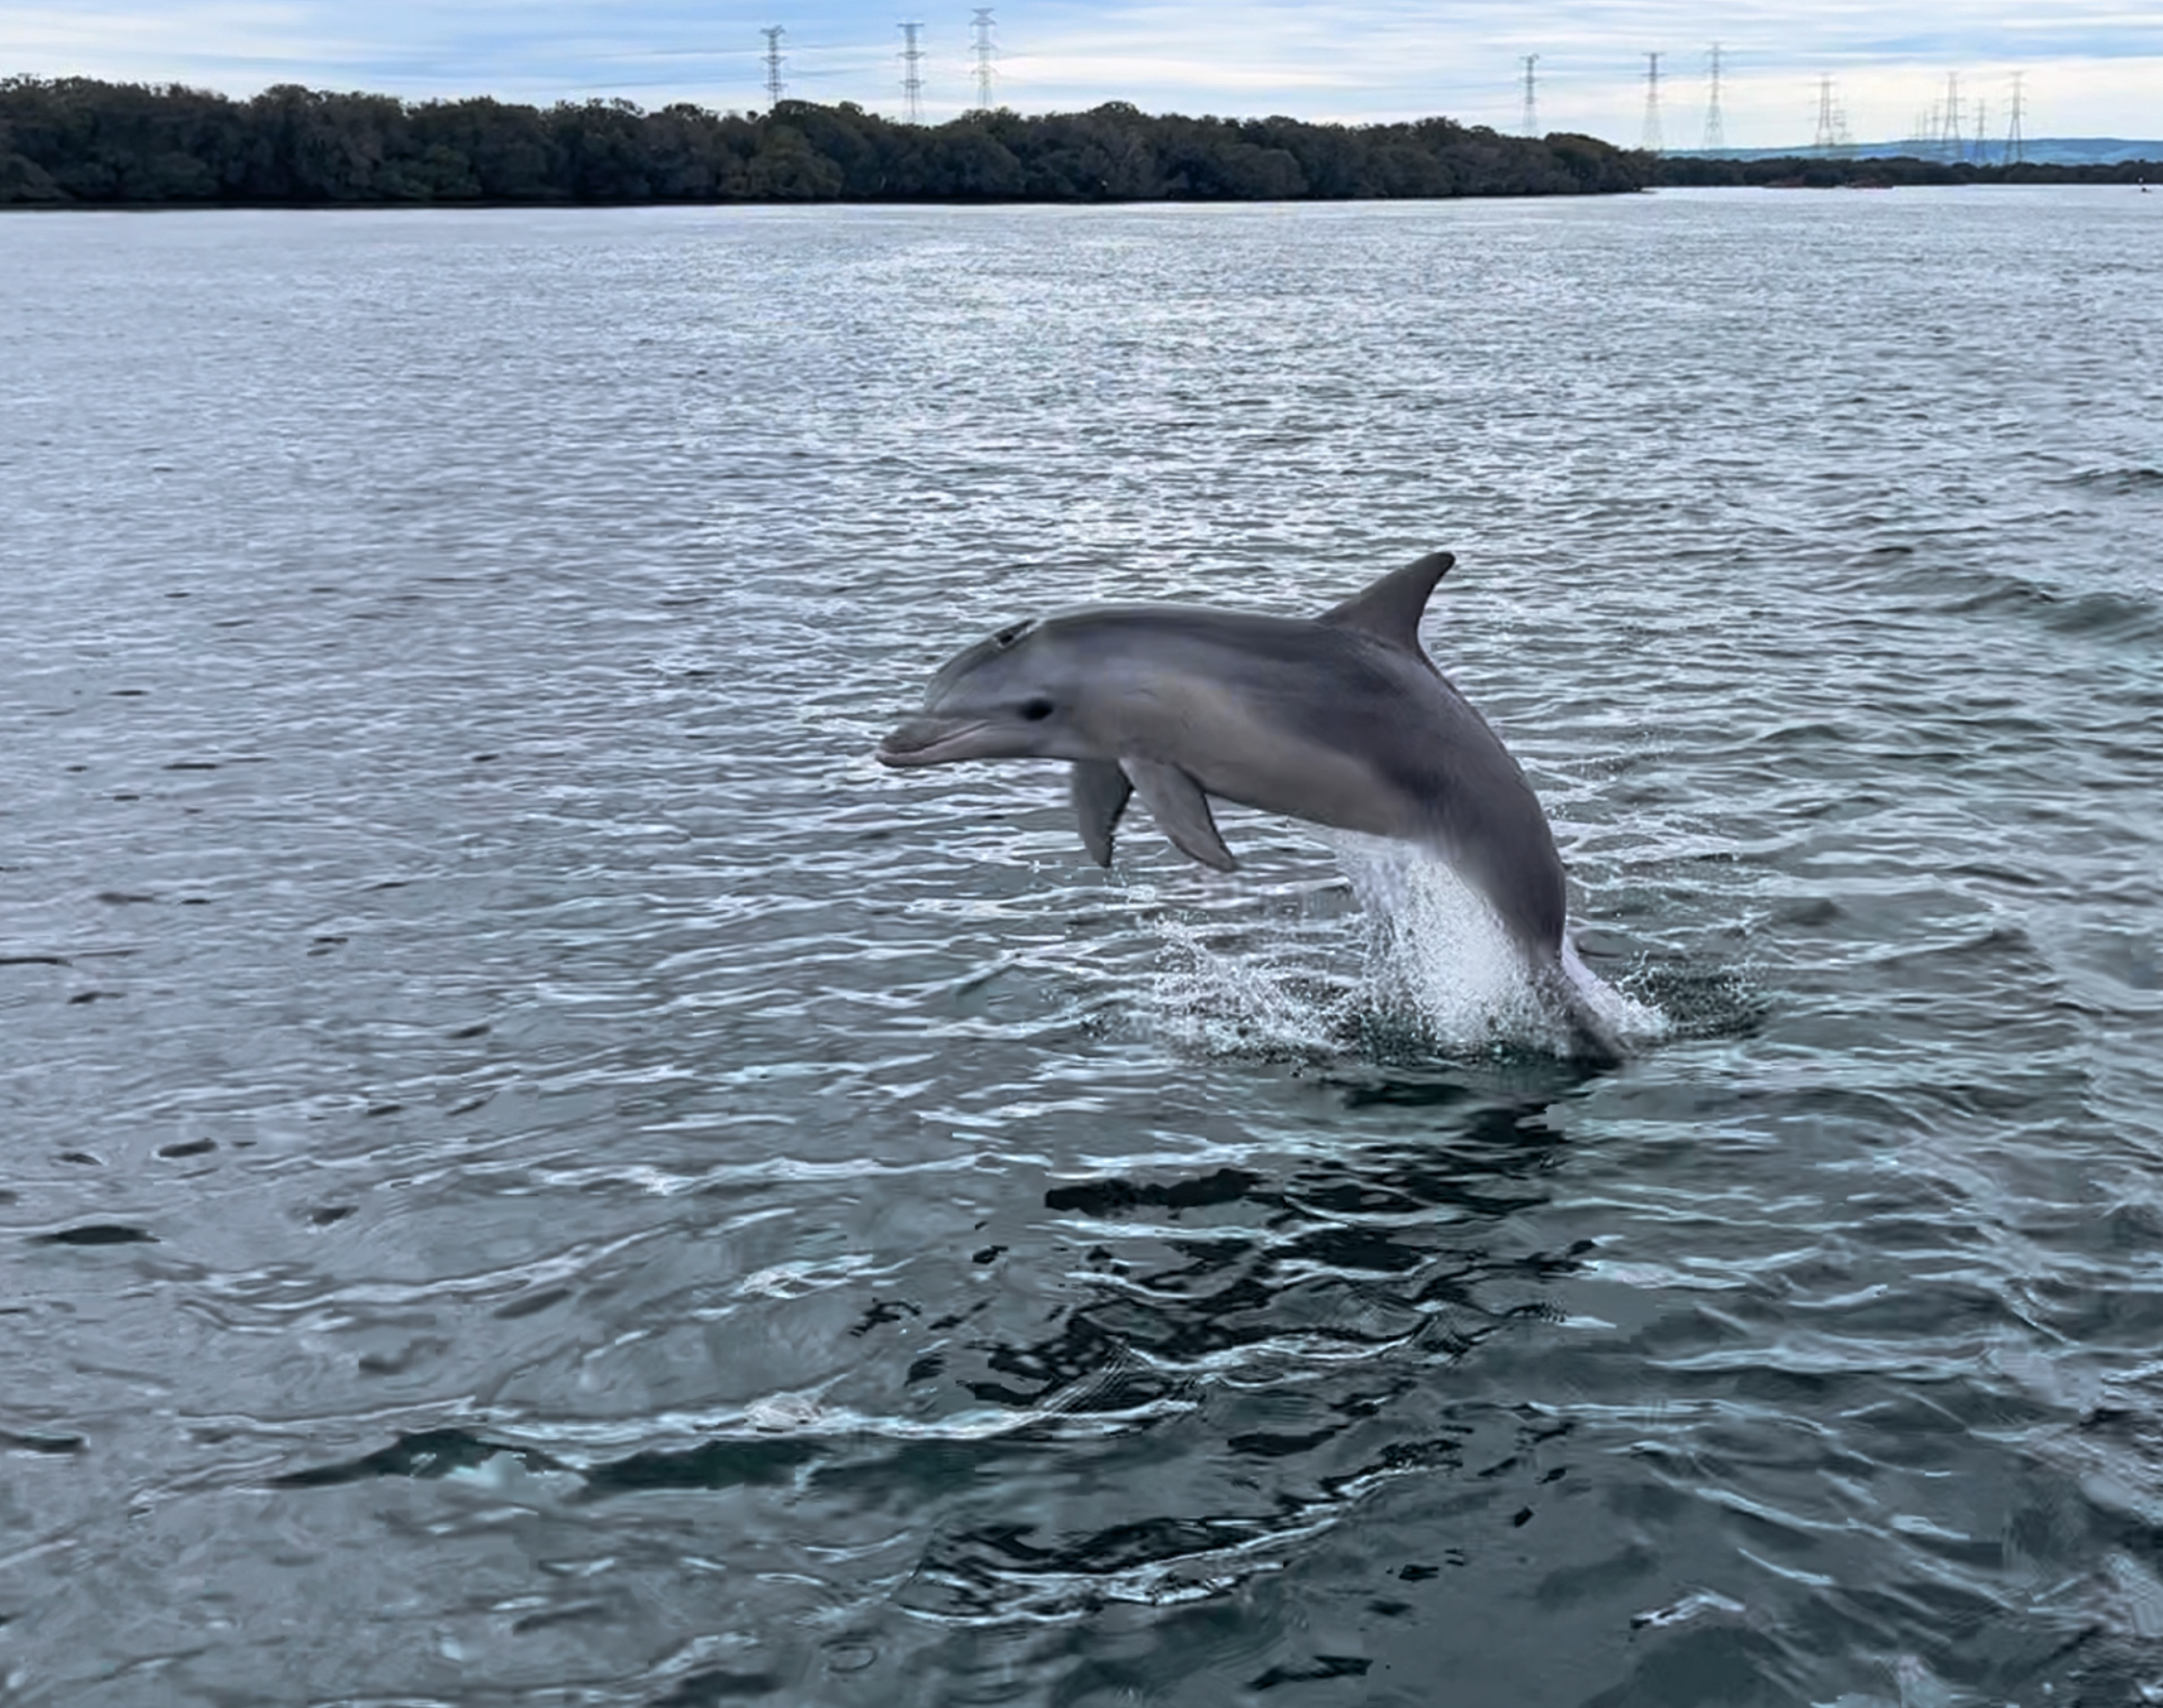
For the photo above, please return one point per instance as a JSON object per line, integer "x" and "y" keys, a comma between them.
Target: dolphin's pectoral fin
{"x": 1182, "y": 811}
{"x": 1391, "y": 609}
{"x": 1100, "y": 789}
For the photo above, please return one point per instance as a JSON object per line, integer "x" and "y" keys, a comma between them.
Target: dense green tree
{"x": 506, "y": 149}
{"x": 787, "y": 168}
{"x": 967, "y": 163}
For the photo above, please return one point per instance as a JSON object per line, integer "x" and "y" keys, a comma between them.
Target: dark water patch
{"x": 188, "y": 1147}
{"x": 2119, "y": 483}
{"x": 1319, "y": 1670}
{"x": 918, "y": 1470}
{"x": 1409, "y": 1091}
{"x": 1085, "y": 1368}
{"x": 1264, "y": 1445}
{"x": 532, "y": 1305}
{"x": 2098, "y": 614}
{"x": 2106, "y": 616}
{"x": 54, "y": 1446}
{"x": 719, "y": 1684}
{"x": 415, "y": 1353}
{"x": 716, "y": 1464}
{"x": 577, "y": 1614}
{"x": 1111, "y": 1199}
{"x": 1501, "y": 1143}
{"x": 1989, "y": 873}
{"x": 1284, "y": 1283}
{"x": 99, "y": 1233}
{"x": 883, "y": 1312}
{"x": 428, "y": 1455}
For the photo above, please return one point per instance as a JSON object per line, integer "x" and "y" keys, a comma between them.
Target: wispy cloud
{"x": 2092, "y": 66}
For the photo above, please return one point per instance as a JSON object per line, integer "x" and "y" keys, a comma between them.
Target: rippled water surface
{"x": 532, "y": 1170}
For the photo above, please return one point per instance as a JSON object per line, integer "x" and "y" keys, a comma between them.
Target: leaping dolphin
{"x": 1342, "y": 720}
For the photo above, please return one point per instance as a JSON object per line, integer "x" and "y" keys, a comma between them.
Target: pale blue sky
{"x": 2092, "y": 67}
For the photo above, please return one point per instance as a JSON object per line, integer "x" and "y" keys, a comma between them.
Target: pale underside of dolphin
{"x": 1341, "y": 719}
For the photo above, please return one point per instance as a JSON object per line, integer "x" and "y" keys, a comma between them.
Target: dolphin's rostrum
{"x": 1341, "y": 719}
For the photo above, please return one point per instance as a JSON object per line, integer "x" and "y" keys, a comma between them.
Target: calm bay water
{"x": 532, "y": 1171}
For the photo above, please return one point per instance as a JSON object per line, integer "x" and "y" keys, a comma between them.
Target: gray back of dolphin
{"x": 1341, "y": 719}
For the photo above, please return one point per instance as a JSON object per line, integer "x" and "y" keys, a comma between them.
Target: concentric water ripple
{"x": 532, "y": 1171}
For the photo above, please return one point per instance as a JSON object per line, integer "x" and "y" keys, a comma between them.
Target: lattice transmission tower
{"x": 1949, "y": 139}
{"x": 1715, "y": 130}
{"x": 912, "y": 74}
{"x": 1832, "y": 137}
{"x": 2016, "y": 147}
{"x": 1652, "y": 141}
{"x": 775, "y": 86}
{"x": 980, "y": 27}
{"x": 1529, "y": 123}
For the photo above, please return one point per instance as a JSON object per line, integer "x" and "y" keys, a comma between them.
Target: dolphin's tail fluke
{"x": 1592, "y": 1011}
{"x": 1593, "y": 1039}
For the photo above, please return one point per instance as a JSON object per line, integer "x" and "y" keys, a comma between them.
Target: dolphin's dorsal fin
{"x": 1390, "y": 609}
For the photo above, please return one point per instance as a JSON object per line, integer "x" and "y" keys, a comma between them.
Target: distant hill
{"x": 2053, "y": 150}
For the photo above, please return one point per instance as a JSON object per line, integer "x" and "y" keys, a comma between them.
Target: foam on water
{"x": 1432, "y": 970}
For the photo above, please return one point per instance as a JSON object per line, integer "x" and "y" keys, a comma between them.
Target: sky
{"x": 2088, "y": 67}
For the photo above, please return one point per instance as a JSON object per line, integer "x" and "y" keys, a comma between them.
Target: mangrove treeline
{"x": 1821, "y": 172}
{"x": 77, "y": 141}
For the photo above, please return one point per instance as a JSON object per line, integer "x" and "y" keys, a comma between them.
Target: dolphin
{"x": 1341, "y": 719}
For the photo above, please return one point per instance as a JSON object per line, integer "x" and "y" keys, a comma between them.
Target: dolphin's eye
{"x": 1038, "y": 710}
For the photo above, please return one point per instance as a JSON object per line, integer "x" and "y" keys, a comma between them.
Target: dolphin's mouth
{"x": 932, "y": 741}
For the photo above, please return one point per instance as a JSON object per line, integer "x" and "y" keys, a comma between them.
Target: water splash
{"x": 1271, "y": 993}
{"x": 1431, "y": 972}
